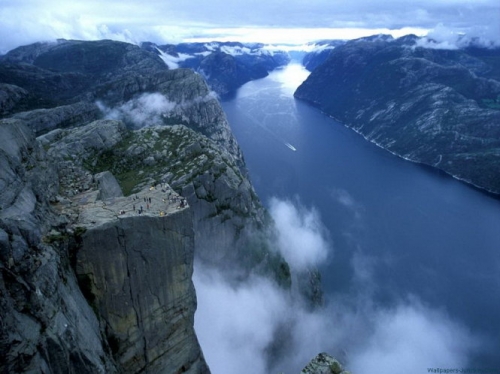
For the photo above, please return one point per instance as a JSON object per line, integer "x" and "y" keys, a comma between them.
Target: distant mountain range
{"x": 225, "y": 66}
{"x": 433, "y": 106}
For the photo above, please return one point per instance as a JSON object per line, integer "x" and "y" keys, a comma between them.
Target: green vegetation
{"x": 335, "y": 368}
{"x": 54, "y": 238}
{"x": 145, "y": 156}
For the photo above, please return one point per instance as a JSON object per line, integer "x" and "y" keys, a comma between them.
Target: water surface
{"x": 407, "y": 229}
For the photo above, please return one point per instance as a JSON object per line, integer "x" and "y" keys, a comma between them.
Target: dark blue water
{"x": 423, "y": 232}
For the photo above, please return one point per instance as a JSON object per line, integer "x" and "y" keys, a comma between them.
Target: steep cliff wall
{"x": 166, "y": 136}
{"x": 232, "y": 229}
{"x": 46, "y": 323}
{"x": 133, "y": 269}
{"x": 136, "y": 271}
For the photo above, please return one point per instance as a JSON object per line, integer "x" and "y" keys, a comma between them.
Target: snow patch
{"x": 173, "y": 61}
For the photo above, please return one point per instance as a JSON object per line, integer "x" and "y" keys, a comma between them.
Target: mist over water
{"x": 409, "y": 257}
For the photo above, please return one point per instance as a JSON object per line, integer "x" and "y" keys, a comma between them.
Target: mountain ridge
{"x": 78, "y": 192}
{"x": 436, "y": 107}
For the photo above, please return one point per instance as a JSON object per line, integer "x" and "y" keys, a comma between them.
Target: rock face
{"x": 42, "y": 121}
{"x": 231, "y": 227}
{"x": 133, "y": 269}
{"x": 320, "y": 53}
{"x": 324, "y": 364}
{"x": 68, "y": 71}
{"x": 136, "y": 271}
{"x": 46, "y": 323}
{"x": 10, "y": 96}
{"x": 437, "y": 107}
{"x": 100, "y": 217}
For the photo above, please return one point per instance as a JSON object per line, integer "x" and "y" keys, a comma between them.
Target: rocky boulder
{"x": 10, "y": 96}
{"x": 323, "y": 363}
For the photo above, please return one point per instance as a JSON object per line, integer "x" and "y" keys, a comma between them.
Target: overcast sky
{"x": 276, "y": 21}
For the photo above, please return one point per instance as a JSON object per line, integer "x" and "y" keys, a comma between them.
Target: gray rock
{"x": 10, "y": 96}
{"x": 45, "y": 120}
{"x": 108, "y": 185}
{"x": 47, "y": 325}
{"x": 324, "y": 364}
{"x": 80, "y": 143}
{"x": 138, "y": 270}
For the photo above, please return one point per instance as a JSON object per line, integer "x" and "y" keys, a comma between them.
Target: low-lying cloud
{"x": 302, "y": 238}
{"x": 412, "y": 338}
{"x": 442, "y": 37}
{"x": 145, "y": 110}
{"x": 173, "y": 61}
{"x": 238, "y": 324}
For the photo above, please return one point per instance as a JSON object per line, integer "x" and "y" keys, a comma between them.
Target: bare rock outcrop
{"x": 323, "y": 363}
{"x": 10, "y": 96}
{"x": 91, "y": 285}
{"x": 135, "y": 268}
{"x": 42, "y": 121}
{"x": 46, "y": 323}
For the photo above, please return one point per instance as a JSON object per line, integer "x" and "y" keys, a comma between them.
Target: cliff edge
{"x": 115, "y": 171}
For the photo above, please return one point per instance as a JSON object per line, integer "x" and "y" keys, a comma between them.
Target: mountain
{"x": 433, "y": 106}
{"x": 319, "y": 53}
{"x": 225, "y": 65}
{"x": 116, "y": 172}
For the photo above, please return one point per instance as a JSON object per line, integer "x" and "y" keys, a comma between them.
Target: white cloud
{"x": 145, "y": 110}
{"x": 412, "y": 338}
{"x": 173, "y": 61}
{"x": 345, "y": 199}
{"x": 237, "y": 323}
{"x": 301, "y": 234}
{"x": 443, "y": 37}
{"x": 27, "y": 21}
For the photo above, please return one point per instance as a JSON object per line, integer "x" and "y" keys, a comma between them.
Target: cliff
{"x": 135, "y": 269}
{"x": 437, "y": 107}
{"x": 95, "y": 276}
{"x": 46, "y": 323}
{"x": 231, "y": 227}
{"x": 320, "y": 53}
